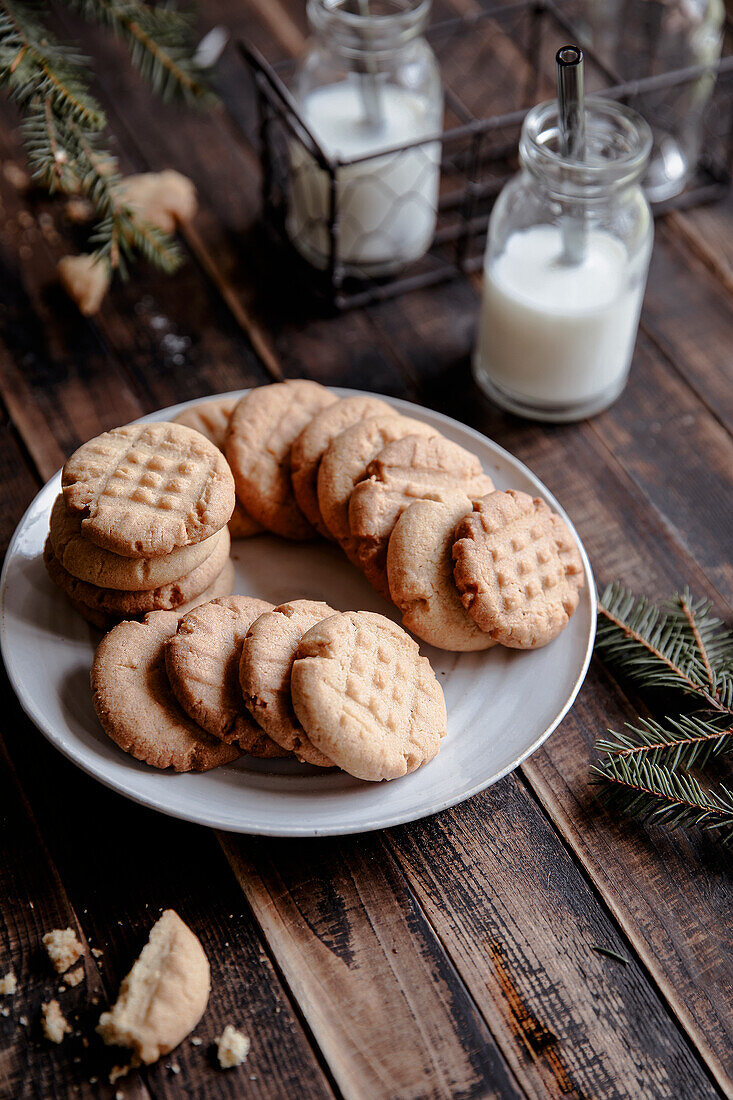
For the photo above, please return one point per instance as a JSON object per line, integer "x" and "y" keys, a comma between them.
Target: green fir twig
{"x": 669, "y": 646}
{"x": 680, "y": 648}
{"x": 63, "y": 122}
{"x": 685, "y": 741}
{"x": 160, "y": 41}
{"x": 666, "y": 796}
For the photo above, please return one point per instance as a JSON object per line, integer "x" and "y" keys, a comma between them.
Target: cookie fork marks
{"x": 146, "y": 489}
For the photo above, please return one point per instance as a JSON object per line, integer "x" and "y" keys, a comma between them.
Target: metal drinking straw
{"x": 368, "y": 79}
{"x": 571, "y": 112}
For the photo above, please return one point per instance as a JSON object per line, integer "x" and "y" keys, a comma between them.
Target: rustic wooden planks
{"x": 385, "y": 1006}
{"x": 573, "y": 1022}
{"x": 468, "y": 1014}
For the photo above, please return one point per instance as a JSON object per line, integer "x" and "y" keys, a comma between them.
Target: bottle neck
{"x": 368, "y": 29}
{"x": 617, "y": 146}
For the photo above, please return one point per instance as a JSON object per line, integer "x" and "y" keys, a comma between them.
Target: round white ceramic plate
{"x": 502, "y": 704}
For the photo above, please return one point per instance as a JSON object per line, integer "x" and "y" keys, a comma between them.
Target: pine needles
{"x": 63, "y": 122}
{"x": 678, "y": 647}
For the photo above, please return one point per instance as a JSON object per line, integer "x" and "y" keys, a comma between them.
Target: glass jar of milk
{"x": 566, "y": 266}
{"x": 368, "y": 86}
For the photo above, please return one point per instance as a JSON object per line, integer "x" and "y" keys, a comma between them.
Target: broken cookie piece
{"x": 63, "y": 948}
{"x": 54, "y": 1023}
{"x": 232, "y": 1047}
{"x": 165, "y": 994}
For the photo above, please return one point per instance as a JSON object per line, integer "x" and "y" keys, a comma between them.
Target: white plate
{"x": 501, "y": 704}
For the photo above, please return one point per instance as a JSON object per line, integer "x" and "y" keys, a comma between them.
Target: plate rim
{"x": 247, "y": 828}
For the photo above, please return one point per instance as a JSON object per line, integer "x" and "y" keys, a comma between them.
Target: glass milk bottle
{"x": 368, "y": 83}
{"x": 556, "y": 334}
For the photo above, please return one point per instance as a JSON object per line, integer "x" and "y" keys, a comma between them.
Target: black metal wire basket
{"x": 502, "y": 58}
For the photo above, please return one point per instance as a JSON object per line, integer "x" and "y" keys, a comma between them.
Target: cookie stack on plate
{"x": 237, "y": 675}
{"x": 141, "y": 524}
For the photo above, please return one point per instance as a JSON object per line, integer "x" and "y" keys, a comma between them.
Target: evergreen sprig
{"x": 676, "y": 647}
{"x": 63, "y": 122}
{"x": 160, "y": 41}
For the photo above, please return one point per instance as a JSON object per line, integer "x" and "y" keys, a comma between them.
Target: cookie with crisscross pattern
{"x": 365, "y": 696}
{"x": 262, "y": 429}
{"x": 416, "y": 467}
{"x": 145, "y": 489}
{"x": 518, "y": 569}
{"x": 202, "y": 661}
{"x": 264, "y": 674}
{"x": 312, "y": 443}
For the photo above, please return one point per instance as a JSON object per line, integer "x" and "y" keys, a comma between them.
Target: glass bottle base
{"x": 560, "y": 413}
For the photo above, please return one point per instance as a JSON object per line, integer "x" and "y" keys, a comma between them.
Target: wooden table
{"x": 450, "y": 958}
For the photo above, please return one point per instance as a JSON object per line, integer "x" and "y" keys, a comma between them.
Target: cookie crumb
{"x": 4, "y": 1011}
{"x": 23, "y": 1021}
{"x": 97, "y": 953}
{"x": 196, "y": 1042}
{"x": 63, "y": 948}
{"x": 119, "y": 1071}
{"x": 8, "y": 984}
{"x": 119, "y": 1095}
{"x": 74, "y": 977}
{"x": 174, "y": 1067}
{"x": 54, "y": 1023}
{"x": 232, "y": 1047}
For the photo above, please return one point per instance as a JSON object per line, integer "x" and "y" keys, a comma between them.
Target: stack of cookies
{"x": 234, "y": 675}
{"x": 141, "y": 524}
{"x": 403, "y": 502}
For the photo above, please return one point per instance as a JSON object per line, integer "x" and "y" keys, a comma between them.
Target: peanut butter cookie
{"x": 518, "y": 569}
{"x": 262, "y": 430}
{"x": 365, "y": 696}
{"x": 146, "y": 489}
{"x": 136, "y": 706}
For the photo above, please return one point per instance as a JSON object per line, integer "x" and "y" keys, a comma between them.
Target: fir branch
{"x": 674, "y": 647}
{"x": 678, "y": 646}
{"x": 34, "y": 64}
{"x": 62, "y": 121}
{"x": 160, "y": 42}
{"x": 64, "y": 155}
{"x": 657, "y": 793}
{"x": 684, "y": 741}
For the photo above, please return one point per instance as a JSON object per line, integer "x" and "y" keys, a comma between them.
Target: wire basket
{"x": 500, "y": 58}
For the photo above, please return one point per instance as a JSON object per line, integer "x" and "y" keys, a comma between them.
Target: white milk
{"x": 387, "y": 206}
{"x": 552, "y": 334}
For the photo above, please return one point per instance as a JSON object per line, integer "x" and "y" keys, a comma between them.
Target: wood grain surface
{"x": 456, "y": 957}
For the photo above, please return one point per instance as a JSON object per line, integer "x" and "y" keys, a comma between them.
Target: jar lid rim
{"x": 543, "y": 120}
{"x": 408, "y": 11}
{"x": 411, "y": 8}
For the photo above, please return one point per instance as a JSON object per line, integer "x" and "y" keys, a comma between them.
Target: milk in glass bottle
{"x": 369, "y": 90}
{"x": 556, "y": 335}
